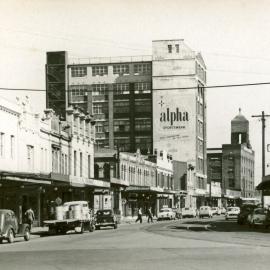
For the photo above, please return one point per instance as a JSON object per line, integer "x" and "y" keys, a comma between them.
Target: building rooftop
{"x": 240, "y": 117}
{"x": 109, "y": 60}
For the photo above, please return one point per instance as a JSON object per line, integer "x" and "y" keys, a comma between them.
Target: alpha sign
{"x": 173, "y": 125}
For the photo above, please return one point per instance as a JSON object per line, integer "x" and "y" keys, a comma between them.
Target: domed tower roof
{"x": 240, "y": 130}
{"x": 240, "y": 117}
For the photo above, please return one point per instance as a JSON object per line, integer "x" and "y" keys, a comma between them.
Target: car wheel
{"x": 115, "y": 226}
{"x": 97, "y": 228}
{"x": 91, "y": 227}
{"x": 10, "y": 236}
{"x": 26, "y": 235}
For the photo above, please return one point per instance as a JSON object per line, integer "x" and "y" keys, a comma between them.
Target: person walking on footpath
{"x": 139, "y": 218}
{"x": 30, "y": 217}
{"x": 150, "y": 215}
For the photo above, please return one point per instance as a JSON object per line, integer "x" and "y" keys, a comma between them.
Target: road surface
{"x": 162, "y": 245}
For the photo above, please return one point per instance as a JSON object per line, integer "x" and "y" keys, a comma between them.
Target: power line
{"x": 157, "y": 89}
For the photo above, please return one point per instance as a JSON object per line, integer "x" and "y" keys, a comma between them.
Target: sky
{"x": 232, "y": 36}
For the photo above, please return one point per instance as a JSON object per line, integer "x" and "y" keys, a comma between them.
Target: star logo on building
{"x": 161, "y": 103}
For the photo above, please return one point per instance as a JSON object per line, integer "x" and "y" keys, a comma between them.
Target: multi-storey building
{"x": 233, "y": 164}
{"x": 179, "y": 110}
{"x": 146, "y": 102}
{"x": 238, "y": 161}
{"x": 214, "y": 176}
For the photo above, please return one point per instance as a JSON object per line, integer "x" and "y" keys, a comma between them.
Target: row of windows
{"x": 201, "y": 183}
{"x": 59, "y": 161}
{"x": 78, "y": 90}
{"x": 100, "y": 70}
{"x": 3, "y": 145}
{"x": 81, "y": 164}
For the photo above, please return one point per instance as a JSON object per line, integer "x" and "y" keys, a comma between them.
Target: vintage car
{"x": 205, "y": 211}
{"x": 245, "y": 210}
{"x": 189, "y": 212}
{"x": 166, "y": 213}
{"x": 10, "y": 227}
{"x": 257, "y": 217}
{"x": 216, "y": 211}
{"x": 232, "y": 212}
{"x": 105, "y": 218}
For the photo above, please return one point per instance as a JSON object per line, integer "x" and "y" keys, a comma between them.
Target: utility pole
{"x": 263, "y": 116}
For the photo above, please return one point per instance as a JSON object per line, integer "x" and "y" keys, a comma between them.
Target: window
{"x": 169, "y": 48}
{"x": 66, "y": 165}
{"x": 143, "y": 106}
{"x": 99, "y": 128}
{"x": 30, "y": 157}
{"x": 142, "y": 124}
{"x": 75, "y": 163}
{"x": 97, "y": 109}
{"x": 143, "y": 68}
{"x": 2, "y": 144}
{"x": 142, "y": 87}
{"x": 121, "y": 125}
{"x": 121, "y": 69}
{"x": 100, "y": 89}
{"x": 177, "y": 48}
{"x": 89, "y": 166}
{"x": 12, "y": 140}
{"x": 122, "y": 143}
{"x": 99, "y": 70}
{"x": 121, "y": 107}
{"x": 81, "y": 164}
{"x": 55, "y": 160}
{"x": 78, "y": 71}
{"x": 121, "y": 88}
{"x": 143, "y": 143}
{"x": 78, "y": 90}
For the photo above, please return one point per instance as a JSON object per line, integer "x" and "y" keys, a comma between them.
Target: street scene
{"x": 225, "y": 244}
{"x": 134, "y": 134}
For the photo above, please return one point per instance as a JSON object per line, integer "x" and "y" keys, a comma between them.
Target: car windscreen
{"x": 104, "y": 213}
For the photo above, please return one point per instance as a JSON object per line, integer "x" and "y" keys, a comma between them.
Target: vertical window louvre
{"x": 75, "y": 163}
{"x": 89, "y": 166}
{"x": 2, "y": 144}
{"x": 81, "y": 164}
{"x": 12, "y": 140}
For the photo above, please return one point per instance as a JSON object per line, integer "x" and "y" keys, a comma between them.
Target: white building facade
{"x": 179, "y": 111}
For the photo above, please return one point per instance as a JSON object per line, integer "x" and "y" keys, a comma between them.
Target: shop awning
{"x": 25, "y": 178}
{"x": 264, "y": 185}
{"x": 144, "y": 189}
{"x": 119, "y": 182}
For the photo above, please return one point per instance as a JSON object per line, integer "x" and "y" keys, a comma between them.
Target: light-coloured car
{"x": 188, "y": 212}
{"x": 166, "y": 213}
{"x": 205, "y": 211}
{"x": 232, "y": 212}
{"x": 257, "y": 217}
{"x": 216, "y": 211}
{"x": 223, "y": 210}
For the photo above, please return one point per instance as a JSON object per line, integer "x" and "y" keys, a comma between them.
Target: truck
{"x": 74, "y": 215}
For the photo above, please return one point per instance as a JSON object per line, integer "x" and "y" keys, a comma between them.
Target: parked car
{"x": 245, "y": 210}
{"x": 10, "y": 227}
{"x": 223, "y": 210}
{"x": 205, "y": 211}
{"x": 178, "y": 213}
{"x": 257, "y": 217}
{"x": 232, "y": 212}
{"x": 216, "y": 211}
{"x": 166, "y": 213}
{"x": 188, "y": 212}
{"x": 105, "y": 218}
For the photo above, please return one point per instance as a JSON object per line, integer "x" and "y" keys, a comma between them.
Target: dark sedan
{"x": 245, "y": 210}
{"x": 10, "y": 227}
{"x": 105, "y": 218}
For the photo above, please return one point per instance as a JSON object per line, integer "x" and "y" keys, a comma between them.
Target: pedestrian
{"x": 139, "y": 218}
{"x": 30, "y": 217}
{"x": 150, "y": 215}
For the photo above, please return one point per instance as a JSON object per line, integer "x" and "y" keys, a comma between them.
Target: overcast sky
{"x": 233, "y": 37}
